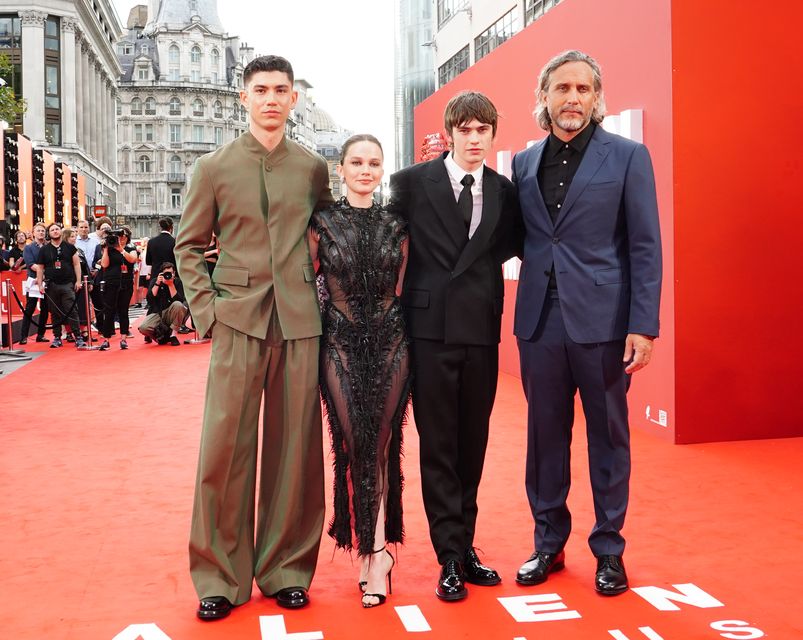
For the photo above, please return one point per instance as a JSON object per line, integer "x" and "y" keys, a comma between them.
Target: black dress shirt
{"x": 559, "y": 163}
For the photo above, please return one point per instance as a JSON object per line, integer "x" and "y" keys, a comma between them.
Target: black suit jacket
{"x": 160, "y": 250}
{"x": 453, "y": 289}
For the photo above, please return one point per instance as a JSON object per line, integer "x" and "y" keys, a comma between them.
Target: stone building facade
{"x": 179, "y": 99}
{"x": 66, "y": 69}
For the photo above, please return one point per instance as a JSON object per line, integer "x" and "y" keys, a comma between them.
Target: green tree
{"x": 11, "y": 107}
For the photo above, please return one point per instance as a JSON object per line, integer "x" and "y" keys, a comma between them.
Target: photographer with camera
{"x": 167, "y": 307}
{"x": 59, "y": 266}
{"x": 129, "y": 272}
{"x": 115, "y": 261}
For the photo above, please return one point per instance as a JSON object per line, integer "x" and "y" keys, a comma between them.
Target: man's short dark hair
{"x": 165, "y": 224}
{"x": 99, "y": 222}
{"x": 467, "y": 106}
{"x": 166, "y": 265}
{"x": 268, "y": 63}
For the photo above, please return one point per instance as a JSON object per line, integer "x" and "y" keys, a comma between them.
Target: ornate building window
{"x": 174, "y": 55}
{"x": 243, "y": 114}
{"x": 150, "y": 106}
{"x": 197, "y": 107}
{"x": 217, "y": 109}
{"x": 195, "y": 55}
{"x": 175, "y": 134}
{"x": 214, "y": 59}
{"x": 174, "y": 167}
{"x": 175, "y": 106}
{"x": 144, "y": 164}
{"x": 136, "y": 107}
{"x": 175, "y": 198}
{"x": 197, "y": 133}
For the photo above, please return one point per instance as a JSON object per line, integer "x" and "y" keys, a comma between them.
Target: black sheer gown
{"x": 364, "y": 367}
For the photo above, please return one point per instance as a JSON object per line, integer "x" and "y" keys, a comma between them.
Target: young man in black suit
{"x": 462, "y": 218}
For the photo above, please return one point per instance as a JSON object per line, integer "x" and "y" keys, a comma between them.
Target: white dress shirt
{"x": 456, "y": 174}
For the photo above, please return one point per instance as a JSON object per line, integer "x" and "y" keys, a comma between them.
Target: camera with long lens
{"x": 113, "y": 237}
{"x": 167, "y": 275}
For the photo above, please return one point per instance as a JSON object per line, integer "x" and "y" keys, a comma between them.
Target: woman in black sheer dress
{"x": 361, "y": 249}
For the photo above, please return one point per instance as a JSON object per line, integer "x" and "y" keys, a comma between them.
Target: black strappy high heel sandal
{"x": 379, "y": 596}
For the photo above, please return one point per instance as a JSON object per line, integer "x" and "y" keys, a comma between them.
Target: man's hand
{"x": 638, "y": 348}
{"x": 78, "y": 286}
{"x": 159, "y": 280}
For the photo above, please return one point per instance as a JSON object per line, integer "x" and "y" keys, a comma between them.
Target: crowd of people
{"x": 77, "y": 278}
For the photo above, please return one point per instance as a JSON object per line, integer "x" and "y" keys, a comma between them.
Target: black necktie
{"x": 465, "y": 202}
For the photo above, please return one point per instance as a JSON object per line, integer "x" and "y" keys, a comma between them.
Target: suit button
{"x": 555, "y": 240}
{"x": 268, "y": 169}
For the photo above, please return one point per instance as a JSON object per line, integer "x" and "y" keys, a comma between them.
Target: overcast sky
{"x": 343, "y": 48}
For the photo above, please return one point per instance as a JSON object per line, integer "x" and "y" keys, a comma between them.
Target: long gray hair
{"x": 541, "y": 113}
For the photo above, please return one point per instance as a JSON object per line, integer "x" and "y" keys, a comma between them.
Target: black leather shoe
{"x": 539, "y": 566}
{"x": 214, "y": 608}
{"x": 611, "y": 579}
{"x": 474, "y": 572}
{"x": 450, "y": 584}
{"x": 292, "y": 597}
{"x": 42, "y": 339}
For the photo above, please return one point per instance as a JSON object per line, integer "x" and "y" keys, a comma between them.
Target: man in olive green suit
{"x": 257, "y": 194}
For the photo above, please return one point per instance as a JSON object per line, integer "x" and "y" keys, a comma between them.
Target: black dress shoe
{"x": 611, "y": 579}
{"x": 474, "y": 572}
{"x": 539, "y": 566}
{"x": 214, "y": 608}
{"x": 450, "y": 584}
{"x": 292, "y": 597}
{"x": 42, "y": 339}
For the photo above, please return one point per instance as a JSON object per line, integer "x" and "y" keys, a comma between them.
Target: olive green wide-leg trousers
{"x": 224, "y": 556}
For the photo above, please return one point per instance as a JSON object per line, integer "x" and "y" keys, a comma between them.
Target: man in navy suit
{"x": 586, "y": 309}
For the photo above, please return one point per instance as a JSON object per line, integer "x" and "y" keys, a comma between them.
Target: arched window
{"x": 197, "y": 107}
{"x": 195, "y": 55}
{"x": 150, "y": 106}
{"x": 175, "y": 166}
{"x": 136, "y": 106}
{"x": 144, "y": 164}
{"x": 214, "y": 59}
{"x": 174, "y": 54}
{"x": 243, "y": 114}
{"x": 218, "y": 109}
{"x": 175, "y": 106}
{"x": 235, "y": 112}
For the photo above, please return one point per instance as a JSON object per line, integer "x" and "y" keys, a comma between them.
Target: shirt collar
{"x": 578, "y": 143}
{"x": 457, "y": 173}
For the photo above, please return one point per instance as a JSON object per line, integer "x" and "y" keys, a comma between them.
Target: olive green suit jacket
{"x": 259, "y": 205}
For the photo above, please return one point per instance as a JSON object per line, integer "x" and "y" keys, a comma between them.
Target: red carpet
{"x": 97, "y": 467}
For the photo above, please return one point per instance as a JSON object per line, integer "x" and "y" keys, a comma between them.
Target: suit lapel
{"x": 439, "y": 190}
{"x": 490, "y": 218}
{"x": 594, "y": 156}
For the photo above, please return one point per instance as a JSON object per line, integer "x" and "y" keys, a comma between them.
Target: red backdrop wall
{"x": 737, "y": 108}
{"x": 711, "y": 82}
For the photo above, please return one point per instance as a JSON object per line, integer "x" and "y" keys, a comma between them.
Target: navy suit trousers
{"x": 553, "y": 369}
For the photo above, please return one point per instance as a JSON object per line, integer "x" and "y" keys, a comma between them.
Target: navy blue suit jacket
{"x": 605, "y": 243}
